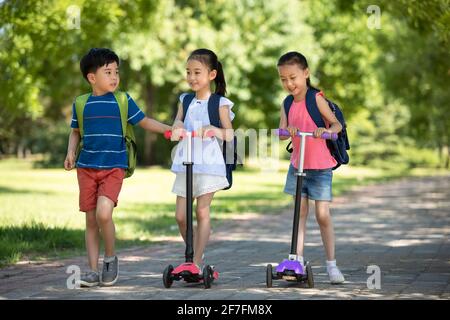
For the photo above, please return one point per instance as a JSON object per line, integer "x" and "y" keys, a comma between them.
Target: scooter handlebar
{"x": 168, "y": 134}
{"x": 325, "y": 135}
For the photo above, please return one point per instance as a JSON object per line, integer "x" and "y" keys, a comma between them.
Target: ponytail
{"x": 209, "y": 58}
{"x": 308, "y": 83}
{"x": 221, "y": 85}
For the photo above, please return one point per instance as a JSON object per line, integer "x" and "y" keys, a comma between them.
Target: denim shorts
{"x": 316, "y": 183}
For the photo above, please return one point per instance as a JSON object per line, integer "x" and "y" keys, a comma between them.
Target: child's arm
{"x": 136, "y": 116}
{"x": 74, "y": 139}
{"x": 226, "y": 132}
{"x": 153, "y": 125}
{"x": 328, "y": 115}
{"x": 283, "y": 123}
{"x": 178, "y": 124}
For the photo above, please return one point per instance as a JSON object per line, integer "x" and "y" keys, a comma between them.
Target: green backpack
{"x": 127, "y": 128}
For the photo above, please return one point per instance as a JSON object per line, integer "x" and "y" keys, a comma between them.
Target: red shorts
{"x": 94, "y": 183}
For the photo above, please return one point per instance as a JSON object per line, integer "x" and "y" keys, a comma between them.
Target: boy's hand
{"x": 292, "y": 131}
{"x": 177, "y": 132}
{"x": 69, "y": 163}
{"x": 319, "y": 131}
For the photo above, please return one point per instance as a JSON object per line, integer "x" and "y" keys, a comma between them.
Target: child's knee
{"x": 304, "y": 212}
{"x": 304, "y": 207}
{"x": 202, "y": 214}
{"x": 104, "y": 216}
{"x": 323, "y": 218}
{"x": 91, "y": 221}
{"x": 181, "y": 218}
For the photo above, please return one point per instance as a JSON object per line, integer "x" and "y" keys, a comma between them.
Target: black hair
{"x": 209, "y": 58}
{"x": 95, "y": 59}
{"x": 294, "y": 57}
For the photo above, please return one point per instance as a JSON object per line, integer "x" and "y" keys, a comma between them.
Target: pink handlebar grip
{"x": 325, "y": 135}
{"x": 168, "y": 134}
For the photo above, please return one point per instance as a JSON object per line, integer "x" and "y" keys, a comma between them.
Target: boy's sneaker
{"x": 89, "y": 279}
{"x": 336, "y": 276}
{"x": 110, "y": 272}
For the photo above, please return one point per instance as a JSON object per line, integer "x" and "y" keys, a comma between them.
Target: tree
{"x": 40, "y": 50}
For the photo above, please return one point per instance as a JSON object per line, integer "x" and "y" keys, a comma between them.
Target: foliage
{"x": 396, "y": 78}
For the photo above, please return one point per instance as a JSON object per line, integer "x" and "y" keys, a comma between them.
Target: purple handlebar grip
{"x": 325, "y": 135}
{"x": 329, "y": 136}
{"x": 282, "y": 132}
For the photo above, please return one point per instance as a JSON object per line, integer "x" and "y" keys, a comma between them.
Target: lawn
{"x": 39, "y": 216}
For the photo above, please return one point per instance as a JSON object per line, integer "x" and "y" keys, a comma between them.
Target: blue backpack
{"x": 339, "y": 147}
{"x": 229, "y": 150}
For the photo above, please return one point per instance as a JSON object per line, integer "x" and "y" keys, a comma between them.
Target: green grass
{"x": 39, "y": 216}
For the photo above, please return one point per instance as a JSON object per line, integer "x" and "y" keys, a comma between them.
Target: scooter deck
{"x": 189, "y": 272}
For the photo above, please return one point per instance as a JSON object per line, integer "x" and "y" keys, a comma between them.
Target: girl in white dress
{"x": 209, "y": 174}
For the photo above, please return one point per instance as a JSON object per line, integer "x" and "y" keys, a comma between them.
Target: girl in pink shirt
{"x": 318, "y": 162}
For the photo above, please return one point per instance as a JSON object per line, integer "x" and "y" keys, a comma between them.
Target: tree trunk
{"x": 149, "y": 91}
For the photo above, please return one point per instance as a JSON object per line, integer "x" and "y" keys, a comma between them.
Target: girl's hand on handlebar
{"x": 292, "y": 131}
{"x": 319, "y": 131}
{"x": 206, "y": 131}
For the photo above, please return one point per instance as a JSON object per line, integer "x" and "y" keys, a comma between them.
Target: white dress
{"x": 209, "y": 165}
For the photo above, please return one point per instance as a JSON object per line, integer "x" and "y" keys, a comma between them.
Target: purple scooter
{"x": 291, "y": 269}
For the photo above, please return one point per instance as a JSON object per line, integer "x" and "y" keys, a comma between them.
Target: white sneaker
{"x": 336, "y": 276}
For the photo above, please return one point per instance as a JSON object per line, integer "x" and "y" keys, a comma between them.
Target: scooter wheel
{"x": 207, "y": 276}
{"x": 309, "y": 275}
{"x": 269, "y": 276}
{"x": 167, "y": 276}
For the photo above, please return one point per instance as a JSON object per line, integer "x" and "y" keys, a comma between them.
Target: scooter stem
{"x": 189, "y": 199}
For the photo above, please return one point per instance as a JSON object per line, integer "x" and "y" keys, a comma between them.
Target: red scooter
{"x": 188, "y": 271}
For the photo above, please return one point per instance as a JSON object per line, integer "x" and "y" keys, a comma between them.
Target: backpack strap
{"x": 313, "y": 109}
{"x": 213, "y": 110}
{"x": 80, "y": 102}
{"x": 187, "y": 99}
{"x": 213, "y": 107}
{"x": 122, "y": 101}
{"x": 287, "y": 102}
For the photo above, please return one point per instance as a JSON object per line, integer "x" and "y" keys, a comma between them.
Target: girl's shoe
{"x": 336, "y": 276}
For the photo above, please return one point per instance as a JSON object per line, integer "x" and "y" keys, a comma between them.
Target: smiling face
{"x": 198, "y": 75}
{"x": 105, "y": 79}
{"x": 293, "y": 78}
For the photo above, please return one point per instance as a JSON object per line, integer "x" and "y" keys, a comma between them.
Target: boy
{"x": 103, "y": 159}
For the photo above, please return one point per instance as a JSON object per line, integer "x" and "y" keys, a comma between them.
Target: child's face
{"x": 293, "y": 78}
{"x": 198, "y": 75}
{"x": 106, "y": 78}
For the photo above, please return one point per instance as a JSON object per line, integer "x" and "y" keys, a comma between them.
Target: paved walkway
{"x": 403, "y": 227}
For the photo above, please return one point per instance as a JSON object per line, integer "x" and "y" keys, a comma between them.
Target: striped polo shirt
{"x": 103, "y": 143}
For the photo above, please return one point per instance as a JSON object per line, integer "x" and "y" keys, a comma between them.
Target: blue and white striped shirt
{"x": 103, "y": 143}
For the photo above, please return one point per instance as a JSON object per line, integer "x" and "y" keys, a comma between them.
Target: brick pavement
{"x": 403, "y": 227}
